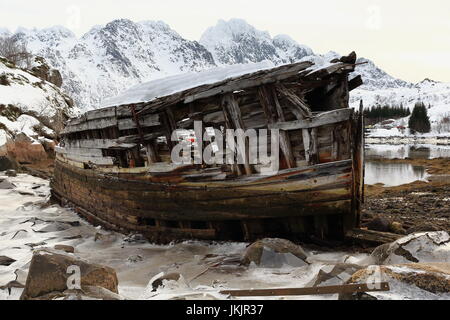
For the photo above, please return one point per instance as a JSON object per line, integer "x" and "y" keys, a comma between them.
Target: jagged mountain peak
{"x": 4, "y": 32}
{"x": 51, "y": 32}
{"x": 233, "y": 30}
{"x": 283, "y": 40}
{"x": 375, "y": 78}
{"x": 236, "y": 41}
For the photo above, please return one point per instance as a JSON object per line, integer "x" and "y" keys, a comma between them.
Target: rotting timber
{"x": 113, "y": 165}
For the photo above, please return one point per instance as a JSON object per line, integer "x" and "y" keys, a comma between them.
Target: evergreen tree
{"x": 419, "y": 120}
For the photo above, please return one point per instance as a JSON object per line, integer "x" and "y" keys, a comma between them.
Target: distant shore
{"x": 436, "y": 140}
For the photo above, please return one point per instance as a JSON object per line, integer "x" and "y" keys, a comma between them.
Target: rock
{"x": 105, "y": 238}
{"x": 6, "y": 261}
{"x": 6, "y": 185}
{"x": 42, "y": 70}
{"x": 334, "y": 274}
{"x": 420, "y": 247}
{"x": 48, "y": 273}
{"x": 160, "y": 279}
{"x": 379, "y": 224}
{"x": 6, "y": 163}
{"x": 11, "y": 173}
{"x": 68, "y": 249}
{"x": 274, "y": 253}
{"x": 24, "y": 150}
{"x": 397, "y": 227}
{"x": 407, "y": 281}
{"x": 135, "y": 259}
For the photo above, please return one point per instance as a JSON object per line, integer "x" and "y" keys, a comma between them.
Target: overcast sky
{"x": 408, "y": 39}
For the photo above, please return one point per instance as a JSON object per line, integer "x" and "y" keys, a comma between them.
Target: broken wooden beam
{"x": 355, "y": 83}
{"x": 274, "y": 113}
{"x": 325, "y": 118}
{"x": 295, "y": 100}
{"x": 372, "y": 236}
{"x": 347, "y": 288}
{"x": 233, "y": 117}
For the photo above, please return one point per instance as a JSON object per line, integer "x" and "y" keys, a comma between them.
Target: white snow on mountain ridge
{"x": 235, "y": 41}
{"x": 110, "y": 59}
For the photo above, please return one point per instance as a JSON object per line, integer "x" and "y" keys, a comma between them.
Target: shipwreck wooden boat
{"x": 114, "y": 167}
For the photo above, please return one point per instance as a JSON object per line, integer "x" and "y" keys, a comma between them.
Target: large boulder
{"x": 7, "y": 163}
{"x": 49, "y": 273}
{"x": 422, "y": 281}
{"x": 25, "y": 150}
{"x": 274, "y": 253}
{"x": 42, "y": 70}
{"x": 418, "y": 247}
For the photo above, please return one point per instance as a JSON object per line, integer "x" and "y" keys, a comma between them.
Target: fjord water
{"x": 395, "y": 174}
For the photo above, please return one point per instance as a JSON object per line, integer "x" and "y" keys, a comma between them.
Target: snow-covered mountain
{"x": 109, "y": 59}
{"x": 235, "y": 41}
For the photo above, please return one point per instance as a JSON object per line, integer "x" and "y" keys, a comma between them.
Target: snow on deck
{"x": 149, "y": 91}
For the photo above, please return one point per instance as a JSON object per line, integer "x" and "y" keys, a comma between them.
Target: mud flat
{"x": 417, "y": 206}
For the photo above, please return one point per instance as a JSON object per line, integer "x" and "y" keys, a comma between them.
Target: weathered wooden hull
{"x": 294, "y": 202}
{"x": 115, "y": 165}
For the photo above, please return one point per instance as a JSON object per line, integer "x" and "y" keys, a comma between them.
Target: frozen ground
{"x": 28, "y": 223}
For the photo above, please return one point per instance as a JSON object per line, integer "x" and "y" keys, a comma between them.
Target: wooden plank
{"x": 99, "y": 143}
{"x": 307, "y": 144}
{"x": 233, "y": 117}
{"x": 325, "y": 290}
{"x": 91, "y": 125}
{"x": 101, "y": 113}
{"x": 314, "y": 148}
{"x": 274, "y": 113}
{"x": 372, "y": 236}
{"x": 95, "y": 152}
{"x": 136, "y": 138}
{"x": 152, "y": 155}
{"x": 322, "y": 119}
{"x": 339, "y": 67}
{"x": 296, "y": 101}
{"x": 144, "y": 121}
{"x": 355, "y": 83}
{"x": 249, "y": 81}
{"x": 92, "y": 159}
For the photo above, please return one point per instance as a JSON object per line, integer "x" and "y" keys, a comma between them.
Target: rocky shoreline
{"x": 419, "y": 206}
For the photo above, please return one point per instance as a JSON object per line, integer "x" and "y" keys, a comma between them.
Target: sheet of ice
{"x": 158, "y": 88}
{"x": 28, "y": 223}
